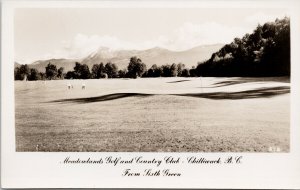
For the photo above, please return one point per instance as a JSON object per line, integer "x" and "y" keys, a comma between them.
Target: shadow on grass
{"x": 228, "y": 83}
{"x": 256, "y": 79}
{"x": 101, "y": 98}
{"x": 256, "y": 93}
{"x": 178, "y": 81}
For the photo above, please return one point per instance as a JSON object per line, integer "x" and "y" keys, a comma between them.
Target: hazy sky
{"x": 74, "y": 33}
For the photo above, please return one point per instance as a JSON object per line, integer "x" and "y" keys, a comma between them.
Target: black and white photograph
{"x": 150, "y": 94}
{"x": 152, "y": 80}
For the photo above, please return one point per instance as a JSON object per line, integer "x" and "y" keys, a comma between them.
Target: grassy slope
{"x": 160, "y": 122}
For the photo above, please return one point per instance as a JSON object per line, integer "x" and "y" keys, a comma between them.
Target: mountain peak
{"x": 158, "y": 48}
{"x": 103, "y": 52}
{"x": 156, "y": 55}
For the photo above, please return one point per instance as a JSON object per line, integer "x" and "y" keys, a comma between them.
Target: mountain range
{"x": 156, "y": 55}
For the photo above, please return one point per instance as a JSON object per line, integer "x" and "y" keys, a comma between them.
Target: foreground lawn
{"x": 154, "y": 115}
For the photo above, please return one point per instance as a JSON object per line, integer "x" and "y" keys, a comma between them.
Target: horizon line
{"x": 120, "y": 49}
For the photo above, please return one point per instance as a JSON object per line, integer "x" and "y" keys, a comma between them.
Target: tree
{"x": 185, "y": 73}
{"x": 157, "y": 71}
{"x": 111, "y": 70}
{"x": 180, "y": 68}
{"x": 136, "y": 67}
{"x": 154, "y": 71}
{"x": 60, "y": 73}
{"x": 193, "y": 72}
{"x": 85, "y": 72}
{"x": 95, "y": 69}
{"x": 101, "y": 70}
{"x": 42, "y": 76}
{"x": 122, "y": 73}
{"x": 77, "y": 71}
{"x": 166, "y": 71}
{"x": 81, "y": 71}
{"x": 264, "y": 52}
{"x": 173, "y": 70}
{"x": 17, "y": 74}
{"x": 51, "y": 71}
{"x": 104, "y": 75}
{"x": 24, "y": 71}
{"x": 34, "y": 74}
{"x": 150, "y": 73}
{"x": 98, "y": 70}
{"x": 70, "y": 75}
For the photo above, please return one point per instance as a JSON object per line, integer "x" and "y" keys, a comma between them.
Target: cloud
{"x": 190, "y": 35}
{"x": 261, "y": 18}
{"x": 185, "y": 37}
{"x": 82, "y": 44}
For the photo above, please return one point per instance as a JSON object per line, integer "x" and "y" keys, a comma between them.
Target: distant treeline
{"x": 265, "y": 52}
{"x": 136, "y": 68}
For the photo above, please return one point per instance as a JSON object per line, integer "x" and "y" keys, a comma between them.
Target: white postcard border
{"x": 41, "y": 169}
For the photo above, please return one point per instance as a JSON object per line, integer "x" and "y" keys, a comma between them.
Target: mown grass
{"x": 153, "y": 115}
